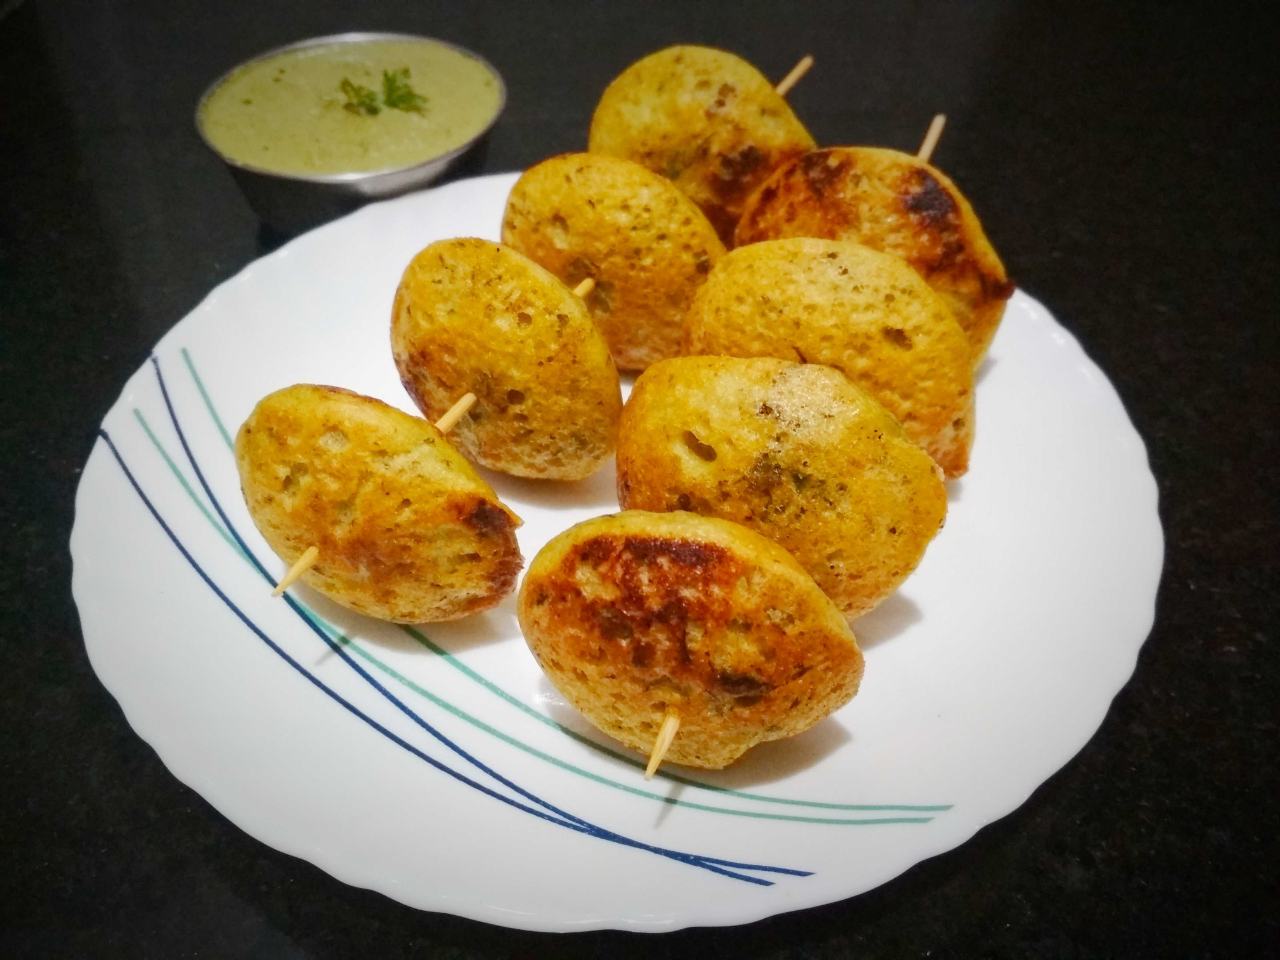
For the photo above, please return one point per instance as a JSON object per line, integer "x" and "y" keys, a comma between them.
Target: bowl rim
{"x": 335, "y": 39}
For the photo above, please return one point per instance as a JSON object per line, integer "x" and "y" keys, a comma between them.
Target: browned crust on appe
{"x": 646, "y": 245}
{"x": 635, "y": 614}
{"x": 406, "y": 530}
{"x": 893, "y": 202}
{"x": 866, "y": 313}
{"x": 704, "y": 118}
{"x": 794, "y": 451}
{"x": 471, "y": 315}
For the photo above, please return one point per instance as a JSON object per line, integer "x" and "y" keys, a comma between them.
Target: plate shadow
{"x": 886, "y": 621}
{"x": 597, "y": 492}
{"x": 765, "y": 763}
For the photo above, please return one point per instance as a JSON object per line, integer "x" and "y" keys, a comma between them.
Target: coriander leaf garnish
{"x": 397, "y": 94}
{"x": 360, "y": 100}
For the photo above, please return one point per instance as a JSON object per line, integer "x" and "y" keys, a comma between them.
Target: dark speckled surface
{"x": 1124, "y": 164}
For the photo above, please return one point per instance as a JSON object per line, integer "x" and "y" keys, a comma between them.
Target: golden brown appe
{"x": 863, "y": 312}
{"x": 701, "y": 117}
{"x": 646, "y": 245}
{"x": 474, "y": 315}
{"x": 794, "y": 451}
{"x": 406, "y": 529}
{"x": 636, "y": 613}
{"x": 896, "y": 203}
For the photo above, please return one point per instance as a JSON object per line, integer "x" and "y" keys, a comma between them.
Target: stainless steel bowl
{"x": 291, "y": 203}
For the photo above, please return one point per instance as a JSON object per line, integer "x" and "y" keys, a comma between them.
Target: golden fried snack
{"x": 473, "y": 315}
{"x": 794, "y": 451}
{"x": 704, "y": 118}
{"x": 636, "y": 614}
{"x": 406, "y": 529}
{"x": 866, "y": 313}
{"x": 896, "y": 203}
{"x": 644, "y": 243}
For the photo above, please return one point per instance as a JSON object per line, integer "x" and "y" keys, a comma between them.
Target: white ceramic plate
{"x": 439, "y": 767}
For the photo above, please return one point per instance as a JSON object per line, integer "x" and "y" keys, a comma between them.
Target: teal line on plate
{"x": 565, "y": 765}
{"x": 195, "y": 498}
{"x": 640, "y": 764}
{"x": 208, "y": 401}
{"x": 493, "y": 688}
{"x": 390, "y": 671}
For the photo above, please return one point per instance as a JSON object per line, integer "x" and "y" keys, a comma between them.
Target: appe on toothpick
{"x": 639, "y": 616}
{"x": 402, "y": 526}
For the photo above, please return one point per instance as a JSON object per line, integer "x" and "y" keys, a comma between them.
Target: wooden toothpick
{"x": 584, "y": 288}
{"x": 300, "y": 566}
{"x": 791, "y": 79}
{"x": 312, "y": 553}
{"x": 666, "y": 733}
{"x": 450, "y": 418}
{"x": 931, "y": 137}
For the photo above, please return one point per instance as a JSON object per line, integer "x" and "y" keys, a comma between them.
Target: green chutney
{"x": 324, "y": 110}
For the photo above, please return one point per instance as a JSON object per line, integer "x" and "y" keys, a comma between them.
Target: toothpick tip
{"x": 300, "y": 566}
{"x": 662, "y": 743}
{"x": 932, "y": 137}
{"x": 449, "y": 419}
{"x": 791, "y": 79}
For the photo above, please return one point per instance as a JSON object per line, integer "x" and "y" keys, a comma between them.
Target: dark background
{"x": 1124, "y": 162}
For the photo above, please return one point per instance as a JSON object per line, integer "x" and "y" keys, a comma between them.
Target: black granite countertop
{"x": 1123, "y": 161}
